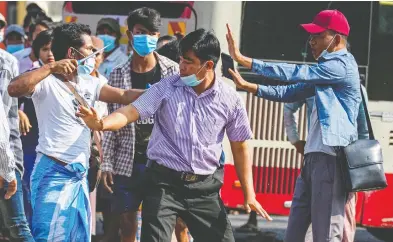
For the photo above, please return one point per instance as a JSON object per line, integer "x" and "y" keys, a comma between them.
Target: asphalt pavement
{"x": 277, "y": 227}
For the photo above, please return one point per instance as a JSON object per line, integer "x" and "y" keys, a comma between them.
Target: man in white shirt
{"x": 59, "y": 184}
{"x": 108, "y": 30}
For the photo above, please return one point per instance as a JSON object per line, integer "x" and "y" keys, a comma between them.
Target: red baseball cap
{"x": 328, "y": 19}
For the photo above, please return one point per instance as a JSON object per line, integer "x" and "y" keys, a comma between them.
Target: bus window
{"x": 271, "y": 30}
{"x": 380, "y": 78}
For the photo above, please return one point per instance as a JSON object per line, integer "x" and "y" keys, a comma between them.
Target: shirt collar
{"x": 114, "y": 55}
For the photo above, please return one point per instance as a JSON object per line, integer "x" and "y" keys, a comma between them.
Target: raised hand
{"x": 232, "y": 47}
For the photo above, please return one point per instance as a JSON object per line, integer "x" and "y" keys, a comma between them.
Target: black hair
{"x": 203, "y": 43}
{"x": 66, "y": 36}
{"x": 168, "y": 38}
{"x": 44, "y": 38}
{"x": 33, "y": 7}
{"x": 147, "y": 17}
{"x": 34, "y": 12}
{"x": 40, "y": 21}
{"x": 170, "y": 50}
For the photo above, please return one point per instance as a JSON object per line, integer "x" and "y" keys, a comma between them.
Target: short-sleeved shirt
{"x": 62, "y": 134}
{"x": 189, "y": 128}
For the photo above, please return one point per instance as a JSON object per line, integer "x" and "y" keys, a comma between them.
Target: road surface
{"x": 278, "y": 226}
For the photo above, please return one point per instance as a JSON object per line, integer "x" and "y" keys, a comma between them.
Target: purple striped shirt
{"x": 189, "y": 129}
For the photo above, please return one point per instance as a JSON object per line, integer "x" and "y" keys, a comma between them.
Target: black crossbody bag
{"x": 362, "y": 165}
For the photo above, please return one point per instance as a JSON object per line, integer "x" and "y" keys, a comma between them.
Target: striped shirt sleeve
{"x": 151, "y": 100}
{"x": 238, "y": 127}
{"x": 7, "y": 164}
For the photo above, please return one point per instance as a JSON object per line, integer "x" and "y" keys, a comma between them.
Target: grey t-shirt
{"x": 314, "y": 140}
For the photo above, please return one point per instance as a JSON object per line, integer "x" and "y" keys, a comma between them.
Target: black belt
{"x": 184, "y": 176}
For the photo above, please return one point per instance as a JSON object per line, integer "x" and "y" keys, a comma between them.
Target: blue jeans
{"x": 12, "y": 214}
{"x": 28, "y": 164}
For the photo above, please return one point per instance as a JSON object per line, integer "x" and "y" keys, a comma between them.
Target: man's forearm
{"x": 25, "y": 83}
{"x": 243, "y": 167}
{"x": 111, "y": 94}
{"x": 250, "y": 87}
{"x": 245, "y": 61}
{"x": 131, "y": 95}
{"x": 120, "y": 118}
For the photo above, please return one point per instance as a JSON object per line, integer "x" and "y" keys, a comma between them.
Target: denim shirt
{"x": 290, "y": 109}
{"x": 335, "y": 83}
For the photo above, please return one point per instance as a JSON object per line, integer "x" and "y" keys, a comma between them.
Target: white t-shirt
{"x": 62, "y": 135}
{"x": 101, "y": 107}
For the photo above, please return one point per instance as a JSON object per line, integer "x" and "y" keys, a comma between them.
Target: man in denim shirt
{"x": 319, "y": 195}
{"x": 290, "y": 117}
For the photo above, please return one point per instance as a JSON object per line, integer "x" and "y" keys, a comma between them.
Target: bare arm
{"x": 243, "y": 167}
{"x": 111, "y": 94}
{"x": 112, "y": 122}
{"x": 25, "y": 83}
{"x": 244, "y": 172}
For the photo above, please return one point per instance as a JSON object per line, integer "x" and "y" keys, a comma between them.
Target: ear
{"x": 210, "y": 65}
{"x": 71, "y": 54}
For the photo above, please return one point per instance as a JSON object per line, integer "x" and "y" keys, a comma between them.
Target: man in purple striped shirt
{"x": 192, "y": 112}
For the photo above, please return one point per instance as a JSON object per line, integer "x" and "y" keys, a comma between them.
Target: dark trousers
{"x": 319, "y": 199}
{"x": 197, "y": 203}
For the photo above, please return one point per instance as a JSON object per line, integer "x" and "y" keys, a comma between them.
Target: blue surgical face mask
{"x": 14, "y": 48}
{"x": 325, "y": 52}
{"x": 192, "y": 80}
{"x": 144, "y": 44}
{"x": 87, "y": 67}
{"x": 109, "y": 42}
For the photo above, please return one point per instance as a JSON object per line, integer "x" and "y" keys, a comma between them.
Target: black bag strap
{"x": 369, "y": 126}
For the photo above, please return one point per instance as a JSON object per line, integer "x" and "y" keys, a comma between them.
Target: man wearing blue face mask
{"x": 124, "y": 167}
{"x": 63, "y": 151}
{"x": 108, "y": 30}
{"x": 15, "y": 38}
{"x": 193, "y": 111}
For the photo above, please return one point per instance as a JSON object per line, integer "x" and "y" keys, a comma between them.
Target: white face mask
{"x": 325, "y": 52}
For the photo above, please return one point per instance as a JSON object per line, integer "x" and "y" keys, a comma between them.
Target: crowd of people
{"x": 86, "y": 127}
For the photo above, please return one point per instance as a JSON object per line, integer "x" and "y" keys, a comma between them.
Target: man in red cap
{"x": 320, "y": 194}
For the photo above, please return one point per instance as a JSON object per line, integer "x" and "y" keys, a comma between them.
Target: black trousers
{"x": 197, "y": 203}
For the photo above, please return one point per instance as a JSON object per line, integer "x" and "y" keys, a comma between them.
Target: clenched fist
{"x": 63, "y": 67}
